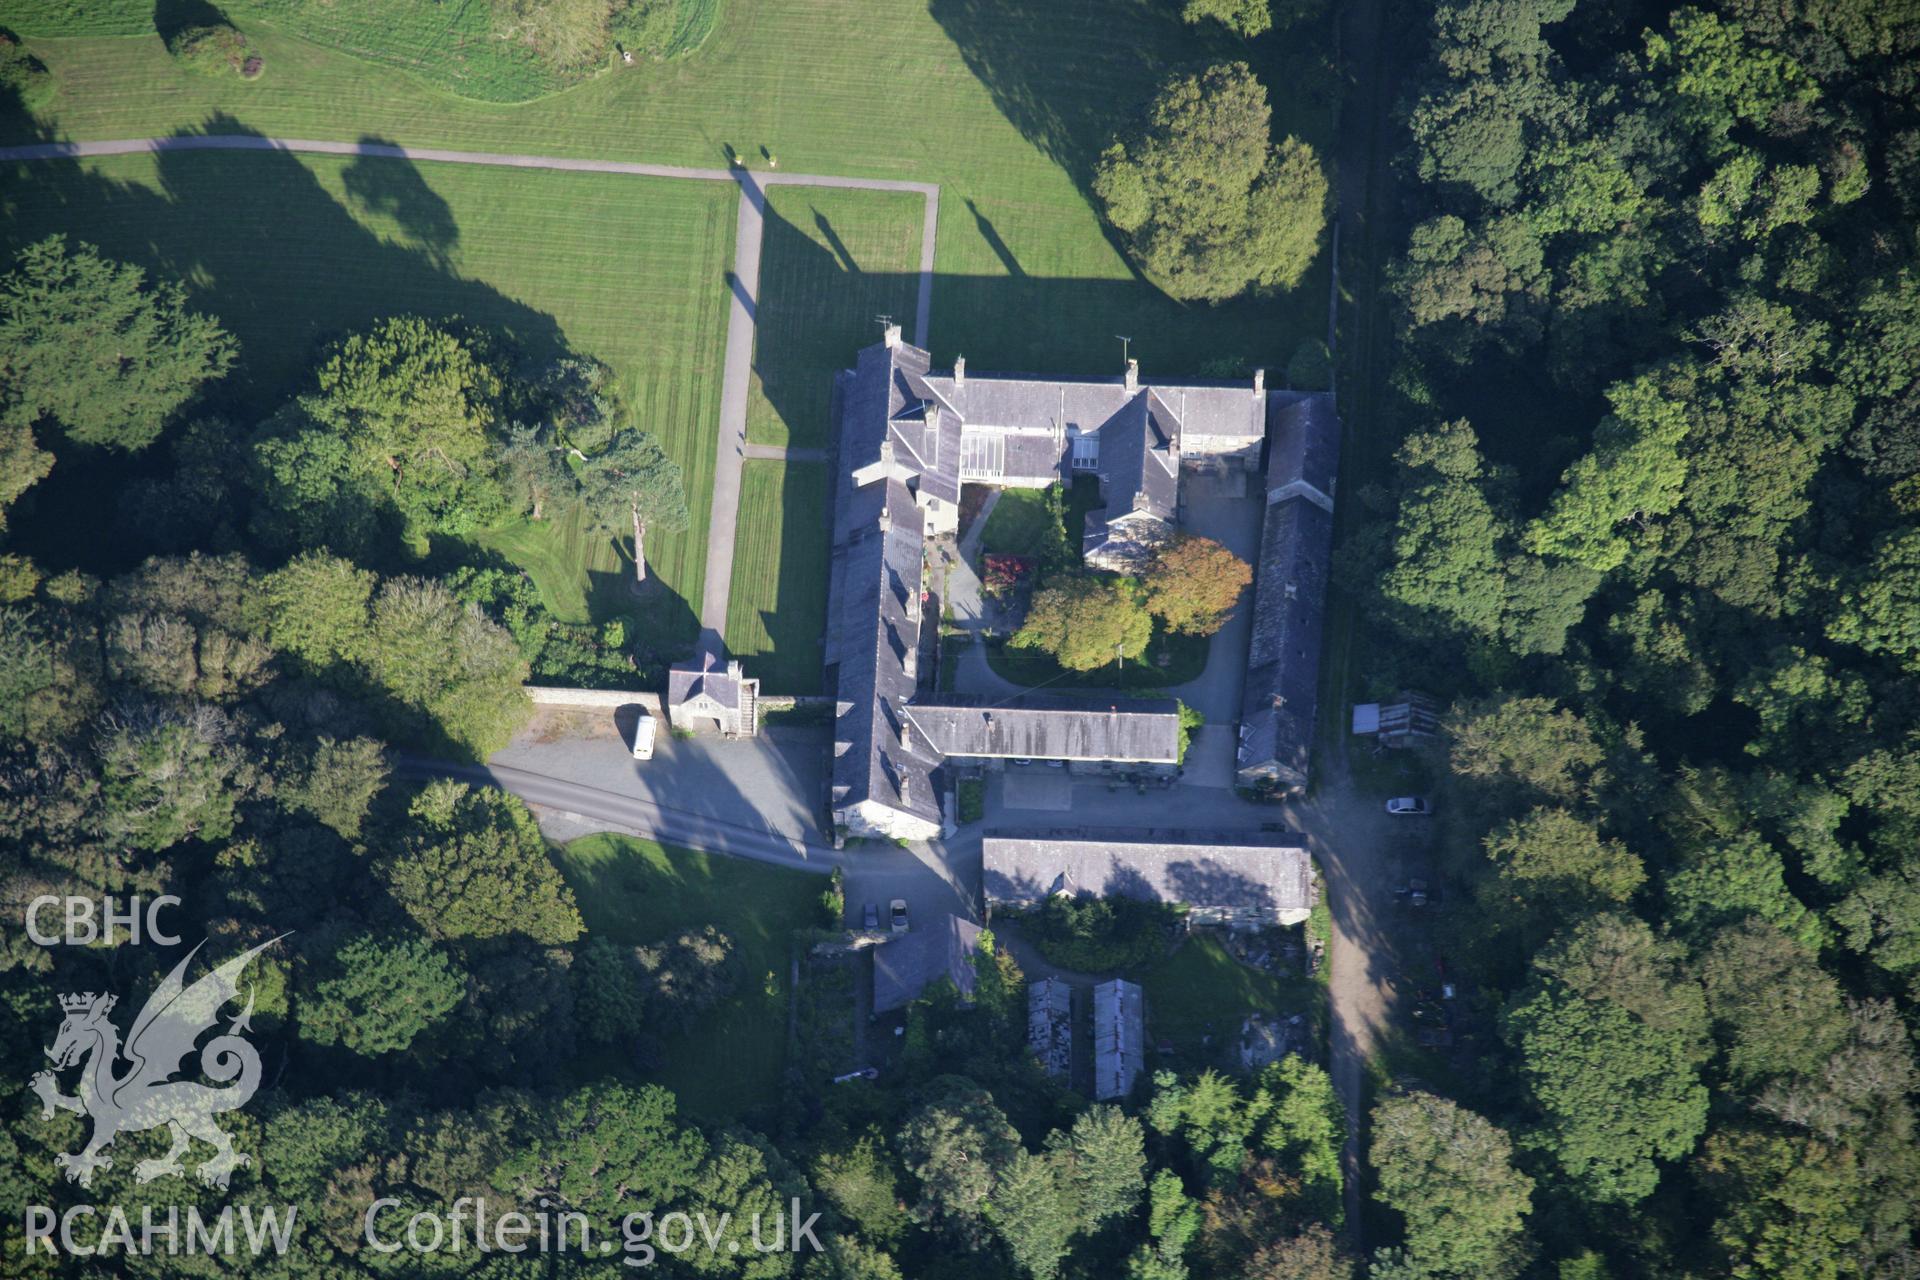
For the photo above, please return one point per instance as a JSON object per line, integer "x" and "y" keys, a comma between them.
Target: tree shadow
{"x": 664, "y": 625}
{"x": 397, "y": 191}
{"x": 171, "y": 17}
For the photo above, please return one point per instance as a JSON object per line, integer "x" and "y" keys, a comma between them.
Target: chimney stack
{"x": 1259, "y": 382}
{"x": 1133, "y": 376}
{"x": 891, "y": 335}
{"x": 959, "y": 371}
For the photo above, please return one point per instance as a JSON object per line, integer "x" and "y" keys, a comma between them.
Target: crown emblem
{"x": 82, "y": 1001}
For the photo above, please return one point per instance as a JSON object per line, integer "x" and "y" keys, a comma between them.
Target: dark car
{"x": 870, "y": 917}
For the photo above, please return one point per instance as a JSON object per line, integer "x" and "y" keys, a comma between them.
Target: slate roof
{"x": 1306, "y": 442}
{"x": 707, "y": 675}
{"x": 1139, "y": 432}
{"x": 1238, "y": 870}
{"x": 904, "y": 430}
{"x": 906, "y": 966}
{"x": 1037, "y": 727}
{"x": 1279, "y": 704}
{"x": 1224, "y": 409}
{"x": 874, "y": 618}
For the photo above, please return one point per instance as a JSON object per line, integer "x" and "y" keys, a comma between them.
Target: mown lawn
{"x": 635, "y": 891}
{"x": 776, "y": 616}
{"x": 292, "y": 251}
{"x": 1019, "y": 522}
{"x": 830, "y": 263}
{"x": 583, "y": 578}
{"x": 458, "y": 47}
{"x": 1200, "y": 990}
{"x": 1004, "y": 103}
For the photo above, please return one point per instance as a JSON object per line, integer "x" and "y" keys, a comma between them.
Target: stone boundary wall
{"x": 544, "y": 696}
{"x": 547, "y": 696}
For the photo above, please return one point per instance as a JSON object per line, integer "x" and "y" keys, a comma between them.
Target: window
{"x": 1086, "y": 452}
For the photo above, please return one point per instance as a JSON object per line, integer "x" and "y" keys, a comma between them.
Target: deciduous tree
{"x": 1086, "y": 621}
{"x": 1247, "y": 18}
{"x": 1194, "y": 583}
{"x": 472, "y": 864}
{"x": 1214, "y": 209}
{"x": 1449, "y": 1173}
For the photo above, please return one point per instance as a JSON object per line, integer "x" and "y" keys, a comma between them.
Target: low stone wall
{"x": 544, "y": 696}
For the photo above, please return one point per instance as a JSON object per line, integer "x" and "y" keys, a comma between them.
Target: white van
{"x": 643, "y": 733}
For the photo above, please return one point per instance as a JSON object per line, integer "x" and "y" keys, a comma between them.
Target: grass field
{"x": 291, "y": 251}
{"x": 830, "y": 262}
{"x": 469, "y": 49}
{"x": 635, "y": 891}
{"x": 777, "y": 613}
{"x": 1005, "y": 103}
{"x": 1200, "y": 990}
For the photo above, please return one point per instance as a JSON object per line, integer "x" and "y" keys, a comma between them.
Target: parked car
{"x": 1056, "y": 764}
{"x": 1021, "y": 760}
{"x": 644, "y": 731}
{"x": 1409, "y": 807}
{"x": 897, "y": 915}
{"x": 870, "y": 917}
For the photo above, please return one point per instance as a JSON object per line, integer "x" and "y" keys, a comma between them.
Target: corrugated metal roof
{"x": 1119, "y": 1038}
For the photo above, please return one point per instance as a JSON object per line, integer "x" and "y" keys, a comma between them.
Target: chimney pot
{"x": 960, "y": 371}
{"x": 1259, "y": 382}
{"x": 891, "y": 335}
{"x": 1133, "y": 376}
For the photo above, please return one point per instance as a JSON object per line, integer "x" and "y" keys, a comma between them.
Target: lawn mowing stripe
{"x": 776, "y": 620}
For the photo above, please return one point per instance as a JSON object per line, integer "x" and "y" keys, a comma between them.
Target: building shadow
{"x": 834, "y": 242}
{"x": 991, "y": 235}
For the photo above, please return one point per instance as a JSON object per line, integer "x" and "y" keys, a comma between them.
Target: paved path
{"x": 736, "y": 386}
{"x": 744, "y": 283}
{"x": 781, "y": 453}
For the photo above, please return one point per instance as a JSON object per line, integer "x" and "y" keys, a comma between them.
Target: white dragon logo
{"x": 145, "y": 1096}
